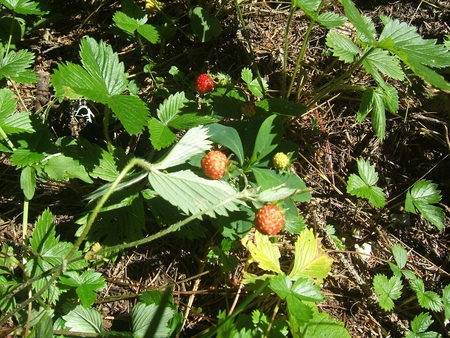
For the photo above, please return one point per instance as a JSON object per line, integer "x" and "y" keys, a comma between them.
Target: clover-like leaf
{"x": 387, "y": 290}
{"x": 363, "y": 186}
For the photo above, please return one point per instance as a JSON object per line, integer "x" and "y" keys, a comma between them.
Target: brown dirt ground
{"x": 416, "y": 146}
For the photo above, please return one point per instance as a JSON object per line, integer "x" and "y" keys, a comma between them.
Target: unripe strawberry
{"x": 281, "y": 161}
{"x": 215, "y": 164}
{"x": 205, "y": 83}
{"x": 248, "y": 109}
{"x": 269, "y": 220}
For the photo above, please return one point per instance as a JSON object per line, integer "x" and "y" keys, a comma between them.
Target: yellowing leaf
{"x": 263, "y": 252}
{"x": 310, "y": 260}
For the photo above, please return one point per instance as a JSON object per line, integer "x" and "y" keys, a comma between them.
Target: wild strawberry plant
{"x": 52, "y": 288}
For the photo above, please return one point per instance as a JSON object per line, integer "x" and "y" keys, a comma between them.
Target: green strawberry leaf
{"x": 61, "y": 167}
{"x": 149, "y": 32}
{"x": 161, "y": 136}
{"x": 14, "y": 66}
{"x": 123, "y": 21}
{"x": 387, "y": 290}
{"x": 342, "y": 47}
{"x": 48, "y": 252}
{"x": 171, "y": 107}
{"x": 86, "y": 320}
{"x": 427, "y": 299}
{"x": 387, "y": 64}
{"x": 331, "y": 20}
{"x": 366, "y": 32}
{"x": 400, "y": 255}
{"x": 103, "y": 65}
{"x": 155, "y": 315}
{"x": 420, "y": 325}
{"x": 363, "y": 185}
{"x": 446, "y": 301}
{"x": 247, "y": 75}
{"x": 101, "y": 79}
{"x": 86, "y": 284}
{"x": 13, "y": 123}
{"x": 131, "y": 111}
{"x": 418, "y": 53}
{"x": 421, "y": 197}
{"x": 321, "y": 325}
{"x": 23, "y": 6}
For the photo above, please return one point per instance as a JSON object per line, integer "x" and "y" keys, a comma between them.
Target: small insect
{"x": 83, "y": 111}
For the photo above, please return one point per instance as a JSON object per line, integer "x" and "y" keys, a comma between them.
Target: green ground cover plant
{"x": 51, "y": 287}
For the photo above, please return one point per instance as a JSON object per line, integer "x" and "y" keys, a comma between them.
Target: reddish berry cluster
{"x": 269, "y": 220}
{"x": 205, "y": 83}
{"x": 215, "y": 164}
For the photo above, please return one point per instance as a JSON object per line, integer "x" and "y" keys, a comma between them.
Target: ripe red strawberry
{"x": 205, "y": 83}
{"x": 248, "y": 109}
{"x": 215, "y": 164}
{"x": 269, "y": 220}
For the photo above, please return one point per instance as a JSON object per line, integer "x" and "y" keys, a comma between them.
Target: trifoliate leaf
{"x": 194, "y": 142}
{"x": 14, "y": 66}
{"x": 48, "y": 252}
{"x": 263, "y": 252}
{"x": 400, "y": 255}
{"x": 342, "y": 47}
{"x": 387, "y": 290}
{"x": 422, "y": 196}
{"x": 194, "y": 194}
{"x": 310, "y": 259}
{"x": 427, "y": 299}
{"x": 81, "y": 319}
{"x": 363, "y": 185}
{"x": 86, "y": 284}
